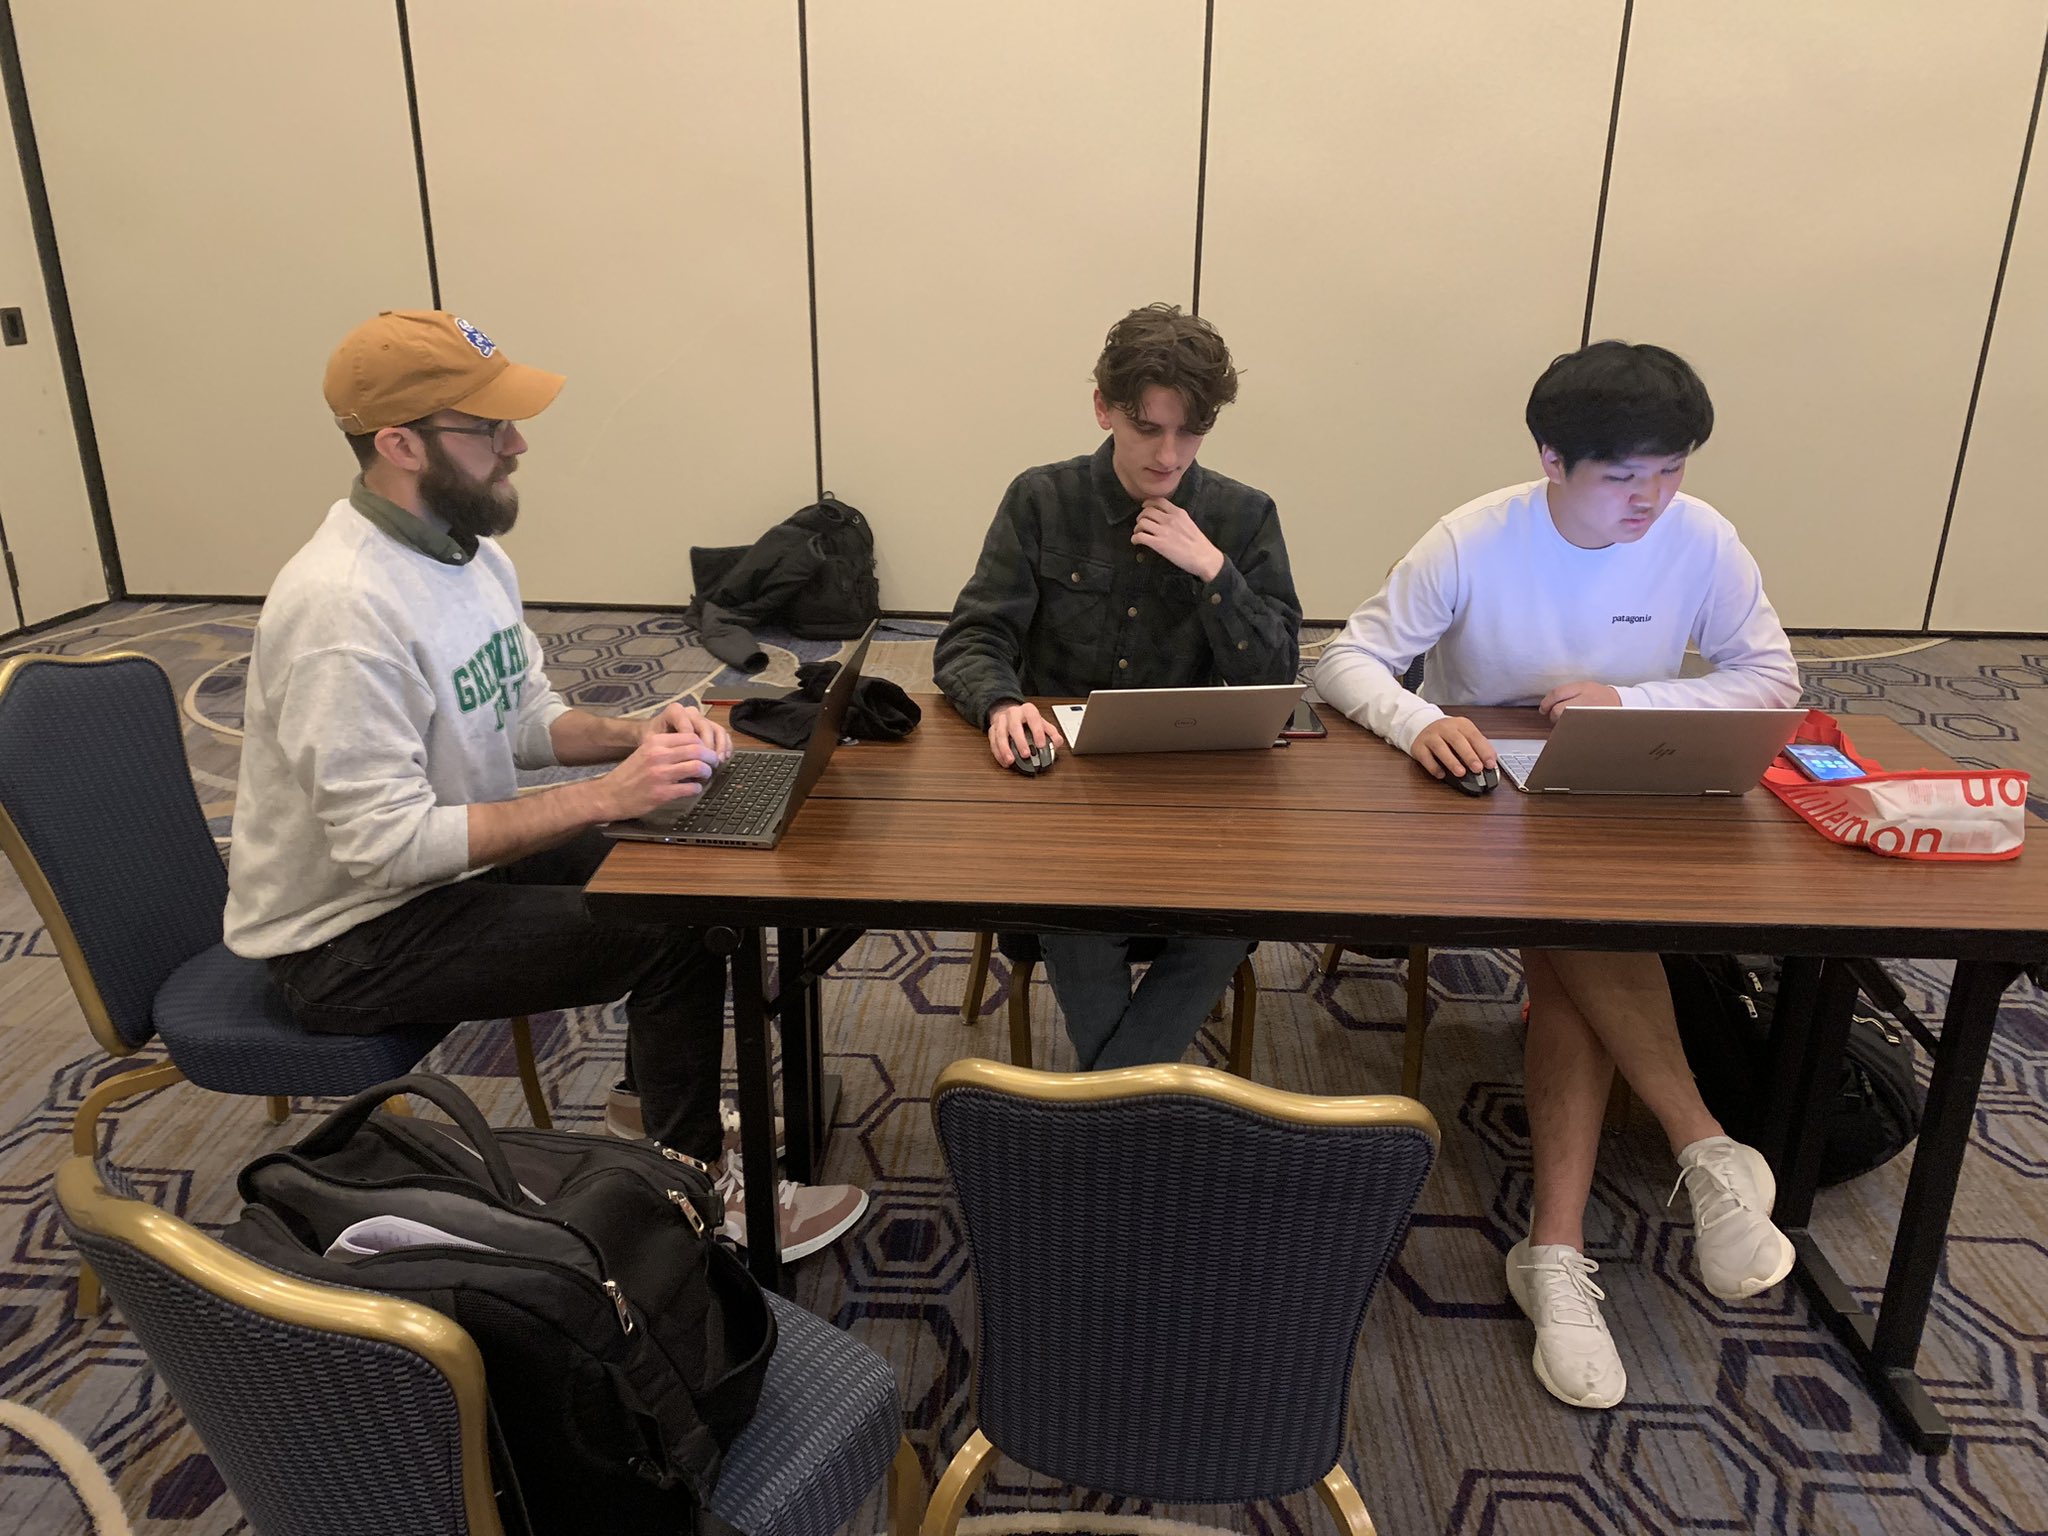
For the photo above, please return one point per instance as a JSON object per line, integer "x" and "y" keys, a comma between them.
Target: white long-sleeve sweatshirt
{"x": 388, "y": 692}
{"x": 1506, "y": 609}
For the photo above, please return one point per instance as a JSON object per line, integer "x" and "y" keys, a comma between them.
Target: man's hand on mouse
{"x": 1171, "y": 533}
{"x": 1455, "y": 747}
{"x": 1583, "y": 695}
{"x": 1014, "y": 729}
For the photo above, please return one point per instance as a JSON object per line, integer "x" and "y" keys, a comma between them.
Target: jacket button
{"x": 1240, "y": 645}
{"x": 1123, "y": 665}
{"x": 1141, "y": 557}
{"x": 1076, "y": 576}
{"x": 1130, "y": 613}
{"x": 1215, "y": 597}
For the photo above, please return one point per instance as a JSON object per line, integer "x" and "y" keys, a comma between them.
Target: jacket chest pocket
{"x": 1073, "y": 587}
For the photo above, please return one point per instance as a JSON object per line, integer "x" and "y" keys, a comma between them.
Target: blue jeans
{"x": 1112, "y": 1026}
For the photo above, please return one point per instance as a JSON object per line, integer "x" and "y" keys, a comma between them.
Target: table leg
{"x": 757, "y": 1107}
{"x": 1886, "y": 1347}
{"x": 803, "y": 1057}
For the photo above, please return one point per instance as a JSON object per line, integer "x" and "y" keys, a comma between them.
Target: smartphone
{"x": 1824, "y": 765}
{"x": 1303, "y": 722}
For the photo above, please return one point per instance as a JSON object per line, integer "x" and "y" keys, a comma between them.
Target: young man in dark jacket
{"x": 1132, "y": 567}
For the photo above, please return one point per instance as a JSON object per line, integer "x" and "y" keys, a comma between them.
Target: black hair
{"x": 1613, "y": 400}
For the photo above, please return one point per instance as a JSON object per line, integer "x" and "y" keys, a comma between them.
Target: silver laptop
{"x": 1177, "y": 719}
{"x": 751, "y": 799}
{"x": 1597, "y": 751}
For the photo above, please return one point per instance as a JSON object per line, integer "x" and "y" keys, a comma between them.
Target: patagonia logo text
{"x": 1633, "y": 618}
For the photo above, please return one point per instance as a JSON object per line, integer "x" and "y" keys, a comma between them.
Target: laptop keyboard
{"x": 1520, "y": 764}
{"x": 745, "y": 796}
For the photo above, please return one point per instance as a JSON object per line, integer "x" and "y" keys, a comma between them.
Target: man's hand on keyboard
{"x": 684, "y": 720}
{"x": 1453, "y": 746}
{"x": 666, "y": 767}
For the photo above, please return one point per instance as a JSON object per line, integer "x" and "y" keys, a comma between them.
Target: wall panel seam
{"x": 1628, "y": 11}
{"x": 2012, "y": 223}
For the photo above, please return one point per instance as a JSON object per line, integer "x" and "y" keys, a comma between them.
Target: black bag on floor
{"x": 624, "y": 1348}
{"x": 1727, "y": 1007}
{"x": 813, "y": 573}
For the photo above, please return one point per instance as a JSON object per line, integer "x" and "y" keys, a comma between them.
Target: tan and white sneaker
{"x": 807, "y": 1216}
{"x": 1575, "y": 1357}
{"x": 1732, "y": 1191}
{"x": 622, "y": 1118}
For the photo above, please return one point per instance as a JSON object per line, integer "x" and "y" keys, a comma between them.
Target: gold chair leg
{"x": 1243, "y": 1017}
{"x": 977, "y": 978}
{"x": 906, "y": 1492}
{"x": 529, "y": 1073}
{"x": 1418, "y": 1020}
{"x": 1341, "y": 1499}
{"x": 85, "y": 1143}
{"x": 1333, "y": 956}
{"x": 277, "y": 1108}
{"x": 1020, "y": 1012}
{"x": 970, "y": 1465}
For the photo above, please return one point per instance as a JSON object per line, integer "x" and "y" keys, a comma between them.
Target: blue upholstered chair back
{"x": 1172, "y": 1283}
{"x": 328, "y": 1412}
{"x": 94, "y": 779}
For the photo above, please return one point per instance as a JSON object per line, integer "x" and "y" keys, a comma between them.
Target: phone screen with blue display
{"x": 1824, "y": 765}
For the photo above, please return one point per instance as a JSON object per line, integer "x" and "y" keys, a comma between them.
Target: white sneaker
{"x": 807, "y": 1216}
{"x": 1732, "y": 1189}
{"x": 1575, "y": 1357}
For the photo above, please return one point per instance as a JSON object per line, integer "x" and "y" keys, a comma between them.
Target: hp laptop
{"x": 751, "y": 799}
{"x": 1650, "y": 751}
{"x": 1177, "y": 719}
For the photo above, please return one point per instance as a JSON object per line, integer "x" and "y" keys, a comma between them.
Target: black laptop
{"x": 751, "y": 799}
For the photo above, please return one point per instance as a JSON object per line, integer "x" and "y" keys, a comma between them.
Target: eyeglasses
{"x": 500, "y": 433}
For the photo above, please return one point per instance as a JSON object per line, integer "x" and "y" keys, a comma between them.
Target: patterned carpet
{"x": 1741, "y": 1417}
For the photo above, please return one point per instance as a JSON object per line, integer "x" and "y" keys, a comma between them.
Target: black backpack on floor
{"x": 1727, "y": 1007}
{"x": 623, "y": 1347}
{"x": 813, "y": 573}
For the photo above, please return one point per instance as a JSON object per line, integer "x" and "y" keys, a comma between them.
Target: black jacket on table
{"x": 1062, "y": 602}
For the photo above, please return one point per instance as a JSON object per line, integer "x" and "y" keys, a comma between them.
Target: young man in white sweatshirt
{"x": 384, "y": 864}
{"x": 1583, "y": 589}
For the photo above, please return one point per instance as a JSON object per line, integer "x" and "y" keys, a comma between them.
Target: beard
{"x": 473, "y": 509}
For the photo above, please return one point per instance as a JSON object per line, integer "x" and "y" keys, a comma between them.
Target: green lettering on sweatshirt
{"x": 494, "y": 676}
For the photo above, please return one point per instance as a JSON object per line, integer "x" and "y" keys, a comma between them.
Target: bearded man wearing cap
{"x": 385, "y": 865}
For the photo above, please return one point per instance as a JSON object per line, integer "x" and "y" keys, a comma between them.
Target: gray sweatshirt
{"x": 389, "y": 690}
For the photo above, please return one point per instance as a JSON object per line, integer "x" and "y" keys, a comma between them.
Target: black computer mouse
{"x": 1036, "y": 761}
{"x": 1484, "y": 782}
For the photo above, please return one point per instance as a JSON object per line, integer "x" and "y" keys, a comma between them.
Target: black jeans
{"x": 519, "y": 939}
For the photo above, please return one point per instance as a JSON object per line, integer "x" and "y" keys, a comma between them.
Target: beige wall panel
{"x": 42, "y": 486}
{"x": 232, "y": 184}
{"x": 1994, "y": 574}
{"x": 618, "y": 196}
{"x": 1808, "y": 202}
{"x": 994, "y": 187}
{"x": 1399, "y": 223}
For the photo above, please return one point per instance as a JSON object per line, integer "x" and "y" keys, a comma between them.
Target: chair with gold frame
{"x": 100, "y": 820}
{"x": 327, "y": 1409}
{"x": 1173, "y": 1267}
{"x": 1023, "y": 952}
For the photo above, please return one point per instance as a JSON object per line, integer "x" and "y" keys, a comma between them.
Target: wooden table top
{"x": 1335, "y": 838}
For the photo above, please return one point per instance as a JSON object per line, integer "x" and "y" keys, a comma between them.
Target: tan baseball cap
{"x": 409, "y": 363}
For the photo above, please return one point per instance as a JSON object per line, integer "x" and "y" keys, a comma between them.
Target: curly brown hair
{"x": 1160, "y": 345}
